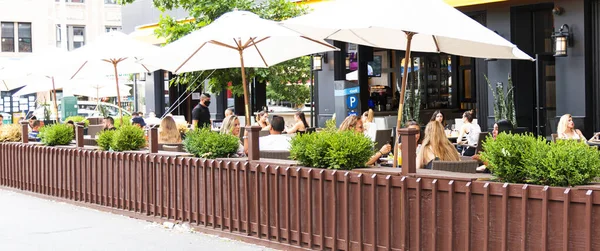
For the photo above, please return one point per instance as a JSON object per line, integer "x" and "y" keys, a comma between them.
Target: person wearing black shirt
{"x": 200, "y": 113}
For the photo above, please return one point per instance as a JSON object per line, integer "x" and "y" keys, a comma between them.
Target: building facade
{"x": 33, "y": 26}
{"x": 544, "y": 90}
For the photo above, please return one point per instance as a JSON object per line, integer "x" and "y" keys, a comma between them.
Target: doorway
{"x": 534, "y": 82}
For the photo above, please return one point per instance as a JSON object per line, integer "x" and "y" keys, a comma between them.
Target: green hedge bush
{"x": 56, "y": 134}
{"x": 528, "y": 159}
{"x": 76, "y": 119}
{"x": 126, "y": 121}
{"x": 105, "y": 139}
{"x": 128, "y": 138}
{"x": 205, "y": 143}
{"x": 334, "y": 150}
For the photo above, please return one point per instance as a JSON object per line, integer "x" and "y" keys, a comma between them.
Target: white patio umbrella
{"x": 98, "y": 88}
{"x": 236, "y": 39}
{"x": 423, "y": 25}
{"x": 112, "y": 53}
{"x": 37, "y": 71}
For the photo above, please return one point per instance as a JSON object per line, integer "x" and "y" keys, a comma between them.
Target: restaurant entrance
{"x": 545, "y": 105}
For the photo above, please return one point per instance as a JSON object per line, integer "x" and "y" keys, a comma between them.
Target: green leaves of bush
{"x": 127, "y": 138}
{"x": 333, "y": 150}
{"x": 105, "y": 139}
{"x": 126, "y": 121}
{"x": 205, "y": 143}
{"x": 76, "y": 119}
{"x": 56, "y": 134}
{"x": 518, "y": 158}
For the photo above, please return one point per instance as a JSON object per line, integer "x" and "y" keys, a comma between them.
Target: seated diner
{"x": 435, "y": 146}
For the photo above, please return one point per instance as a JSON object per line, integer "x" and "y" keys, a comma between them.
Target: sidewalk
{"x": 30, "y": 223}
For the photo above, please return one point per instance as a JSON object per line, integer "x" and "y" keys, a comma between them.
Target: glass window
{"x": 8, "y": 37}
{"x": 24, "y": 37}
{"x": 113, "y": 28}
{"x": 78, "y": 37}
{"x": 110, "y": 1}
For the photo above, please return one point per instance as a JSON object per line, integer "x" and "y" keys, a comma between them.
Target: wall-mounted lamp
{"x": 563, "y": 38}
{"x": 558, "y": 11}
{"x": 317, "y": 62}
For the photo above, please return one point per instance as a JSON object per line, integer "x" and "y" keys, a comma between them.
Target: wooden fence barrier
{"x": 312, "y": 208}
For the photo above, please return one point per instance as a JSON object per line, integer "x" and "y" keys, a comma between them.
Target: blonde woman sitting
{"x": 353, "y": 123}
{"x": 231, "y": 125}
{"x": 168, "y": 133}
{"x": 566, "y": 129}
{"x": 435, "y": 146}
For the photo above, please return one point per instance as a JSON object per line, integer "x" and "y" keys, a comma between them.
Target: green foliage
{"x": 504, "y": 104}
{"x": 518, "y": 158}
{"x": 205, "y": 12}
{"x": 10, "y": 133}
{"x": 333, "y": 150}
{"x": 128, "y": 138}
{"x": 105, "y": 139}
{"x": 568, "y": 163}
{"x": 126, "y": 121}
{"x": 205, "y": 143}
{"x": 297, "y": 94}
{"x": 330, "y": 125}
{"x": 76, "y": 119}
{"x": 56, "y": 134}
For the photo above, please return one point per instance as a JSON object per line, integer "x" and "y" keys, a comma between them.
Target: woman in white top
{"x": 471, "y": 132}
{"x": 566, "y": 129}
{"x": 370, "y": 129}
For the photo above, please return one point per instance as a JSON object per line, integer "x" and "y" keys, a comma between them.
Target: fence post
{"x": 409, "y": 150}
{"x": 253, "y": 151}
{"x": 24, "y": 131}
{"x": 79, "y": 133}
{"x": 153, "y": 139}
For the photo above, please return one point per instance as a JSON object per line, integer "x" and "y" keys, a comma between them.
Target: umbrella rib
{"x": 190, "y": 57}
{"x": 258, "y": 41}
{"x": 250, "y": 40}
{"x": 5, "y": 85}
{"x": 362, "y": 38}
{"x": 437, "y": 47}
{"x": 260, "y": 54}
{"x": 319, "y": 42}
{"x": 223, "y": 44}
{"x": 78, "y": 70}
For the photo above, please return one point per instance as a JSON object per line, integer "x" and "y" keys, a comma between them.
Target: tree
{"x": 205, "y": 12}
{"x": 297, "y": 94}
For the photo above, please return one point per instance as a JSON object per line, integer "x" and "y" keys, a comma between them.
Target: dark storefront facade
{"x": 544, "y": 90}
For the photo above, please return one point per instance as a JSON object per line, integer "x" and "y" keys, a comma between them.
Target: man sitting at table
{"x": 109, "y": 124}
{"x": 275, "y": 141}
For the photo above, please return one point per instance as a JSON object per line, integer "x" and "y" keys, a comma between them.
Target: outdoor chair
{"x": 263, "y": 133}
{"x": 554, "y": 137}
{"x": 94, "y": 130}
{"x": 482, "y": 138}
{"x": 463, "y": 166}
{"x": 273, "y": 154}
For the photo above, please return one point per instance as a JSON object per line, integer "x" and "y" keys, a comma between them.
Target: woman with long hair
{"x": 435, "y": 146}
{"x": 168, "y": 132}
{"x": 439, "y": 117}
{"x": 353, "y": 123}
{"x": 566, "y": 129}
{"x": 262, "y": 120}
{"x": 231, "y": 125}
{"x": 471, "y": 133}
{"x": 370, "y": 128}
{"x": 300, "y": 126}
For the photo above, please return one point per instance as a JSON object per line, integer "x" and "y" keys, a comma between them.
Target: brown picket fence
{"x": 306, "y": 208}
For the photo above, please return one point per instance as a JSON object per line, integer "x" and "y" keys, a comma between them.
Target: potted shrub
{"x": 10, "y": 133}
{"x": 204, "y": 143}
{"x": 127, "y": 138}
{"x": 126, "y": 121}
{"x": 105, "y": 139}
{"x": 77, "y": 119}
{"x": 333, "y": 150}
{"x": 56, "y": 134}
{"x": 516, "y": 158}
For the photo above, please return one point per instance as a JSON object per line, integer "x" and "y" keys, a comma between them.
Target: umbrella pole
{"x": 409, "y": 36}
{"x": 55, "y": 101}
{"x": 246, "y": 99}
{"x": 114, "y": 62}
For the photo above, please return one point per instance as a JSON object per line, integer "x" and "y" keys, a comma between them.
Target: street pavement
{"x": 31, "y": 223}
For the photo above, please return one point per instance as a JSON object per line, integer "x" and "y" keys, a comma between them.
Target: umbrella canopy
{"x": 236, "y": 39}
{"x": 112, "y": 53}
{"x": 383, "y": 24}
